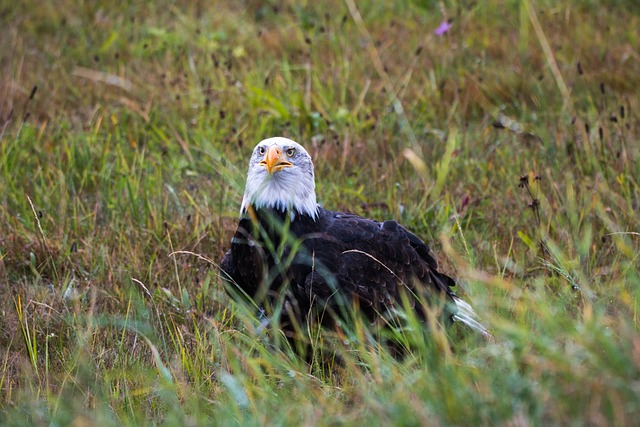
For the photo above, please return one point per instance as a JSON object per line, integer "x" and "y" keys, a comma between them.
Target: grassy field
{"x": 510, "y": 143}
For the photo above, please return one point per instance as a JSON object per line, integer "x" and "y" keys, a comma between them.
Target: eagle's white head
{"x": 281, "y": 177}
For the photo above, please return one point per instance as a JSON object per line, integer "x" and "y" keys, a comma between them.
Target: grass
{"x": 124, "y": 136}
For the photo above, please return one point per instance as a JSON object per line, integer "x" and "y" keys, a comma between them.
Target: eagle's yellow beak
{"x": 274, "y": 160}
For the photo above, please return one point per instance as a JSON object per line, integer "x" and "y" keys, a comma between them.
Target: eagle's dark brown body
{"x": 334, "y": 261}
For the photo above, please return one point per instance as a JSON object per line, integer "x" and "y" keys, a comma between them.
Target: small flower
{"x": 443, "y": 28}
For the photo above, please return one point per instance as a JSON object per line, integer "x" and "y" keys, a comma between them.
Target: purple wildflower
{"x": 443, "y": 28}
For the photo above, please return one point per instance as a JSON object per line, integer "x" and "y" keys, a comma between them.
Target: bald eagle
{"x": 290, "y": 249}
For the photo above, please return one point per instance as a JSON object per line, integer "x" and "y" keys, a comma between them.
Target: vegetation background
{"x": 505, "y": 133}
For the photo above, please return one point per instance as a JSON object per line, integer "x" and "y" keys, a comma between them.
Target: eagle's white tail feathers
{"x": 469, "y": 317}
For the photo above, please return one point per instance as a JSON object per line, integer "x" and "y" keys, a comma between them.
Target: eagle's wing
{"x": 242, "y": 266}
{"x": 373, "y": 262}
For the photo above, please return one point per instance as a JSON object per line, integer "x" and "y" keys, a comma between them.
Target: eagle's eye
{"x": 261, "y": 150}
{"x": 291, "y": 152}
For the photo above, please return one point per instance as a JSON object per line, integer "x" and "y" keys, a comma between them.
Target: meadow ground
{"x": 509, "y": 140}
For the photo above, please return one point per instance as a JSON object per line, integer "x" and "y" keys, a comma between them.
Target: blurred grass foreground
{"x": 504, "y": 133}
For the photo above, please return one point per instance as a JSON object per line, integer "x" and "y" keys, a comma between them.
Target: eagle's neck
{"x": 293, "y": 194}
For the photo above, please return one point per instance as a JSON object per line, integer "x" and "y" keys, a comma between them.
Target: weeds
{"x": 124, "y": 136}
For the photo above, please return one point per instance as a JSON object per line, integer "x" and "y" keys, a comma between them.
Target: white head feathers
{"x": 281, "y": 177}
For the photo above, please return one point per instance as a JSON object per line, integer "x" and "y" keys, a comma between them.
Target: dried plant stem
{"x": 551, "y": 60}
{"x": 388, "y": 85}
{"x": 44, "y": 240}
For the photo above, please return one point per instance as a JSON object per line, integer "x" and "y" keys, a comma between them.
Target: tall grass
{"x": 124, "y": 136}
